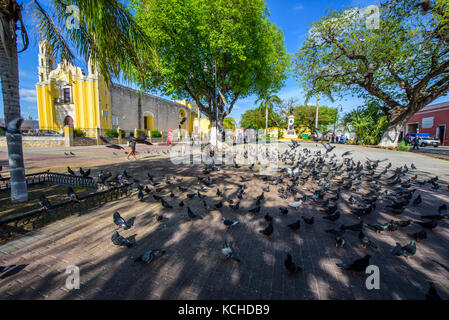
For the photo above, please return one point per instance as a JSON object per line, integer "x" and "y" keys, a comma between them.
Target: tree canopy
{"x": 255, "y": 118}
{"x": 193, "y": 36}
{"x": 402, "y": 62}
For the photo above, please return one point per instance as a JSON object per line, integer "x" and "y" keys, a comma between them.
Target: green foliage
{"x": 78, "y": 133}
{"x": 368, "y": 122}
{"x": 305, "y": 116}
{"x": 111, "y": 133}
{"x": 280, "y": 134}
{"x": 404, "y": 63}
{"x": 111, "y": 38}
{"x": 2, "y": 133}
{"x": 156, "y": 134}
{"x": 403, "y": 147}
{"x": 141, "y": 133}
{"x": 255, "y": 118}
{"x": 191, "y": 36}
{"x": 229, "y": 123}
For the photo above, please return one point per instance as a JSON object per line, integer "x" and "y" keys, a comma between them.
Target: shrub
{"x": 79, "y": 133}
{"x": 281, "y": 134}
{"x": 156, "y": 134}
{"x": 141, "y": 133}
{"x": 111, "y": 133}
{"x": 2, "y": 133}
{"x": 403, "y": 147}
{"x": 122, "y": 133}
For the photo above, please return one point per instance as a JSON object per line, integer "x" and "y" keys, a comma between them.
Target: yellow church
{"x": 66, "y": 96}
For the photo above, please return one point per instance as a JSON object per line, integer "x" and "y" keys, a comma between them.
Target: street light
{"x": 214, "y": 101}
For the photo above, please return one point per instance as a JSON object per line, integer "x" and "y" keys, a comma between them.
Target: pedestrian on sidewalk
{"x": 416, "y": 143}
{"x": 132, "y": 145}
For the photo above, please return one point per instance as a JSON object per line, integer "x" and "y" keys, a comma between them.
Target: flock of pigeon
{"x": 320, "y": 173}
{"x": 323, "y": 176}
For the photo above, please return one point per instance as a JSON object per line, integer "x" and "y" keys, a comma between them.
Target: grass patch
{"x": 403, "y": 147}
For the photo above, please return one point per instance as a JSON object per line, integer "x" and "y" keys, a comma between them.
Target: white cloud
{"x": 28, "y": 95}
{"x": 298, "y": 7}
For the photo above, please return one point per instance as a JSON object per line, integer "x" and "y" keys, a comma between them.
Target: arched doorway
{"x": 148, "y": 121}
{"x": 182, "y": 119}
{"x": 68, "y": 121}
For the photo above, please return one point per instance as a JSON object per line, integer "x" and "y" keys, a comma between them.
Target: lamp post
{"x": 214, "y": 101}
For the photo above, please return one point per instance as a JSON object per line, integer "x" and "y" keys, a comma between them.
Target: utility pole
{"x": 216, "y": 103}
{"x": 266, "y": 119}
{"x": 317, "y": 109}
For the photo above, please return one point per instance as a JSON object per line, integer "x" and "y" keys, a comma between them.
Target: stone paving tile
{"x": 193, "y": 267}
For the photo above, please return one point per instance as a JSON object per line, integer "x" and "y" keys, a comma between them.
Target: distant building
{"x": 433, "y": 119}
{"x": 27, "y": 125}
{"x": 68, "y": 97}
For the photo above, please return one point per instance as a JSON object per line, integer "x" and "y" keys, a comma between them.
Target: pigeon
{"x": 219, "y": 193}
{"x": 421, "y": 235}
{"x": 120, "y": 241}
{"x": 119, "y": 221}
{"x": 427, "y": 225}
{"x": 358, "y": 265}
{"x": 328, "y": 147}
{"x": 291, "y": 267}
{"x": 44, "y": 203}
{"x": 150, "y": 256}
{"x": 283, "y": 210}
{"x": 6, "y": 268}
{"x": 417, "y": 201}
{"x": 218, "y": 205}
{"x": 397, "y": 250}
{"x": 308, "y": 220}
{"x": 69, "y": 170}
{"x": 229, "y": 223}
{"x": 410, "y": 249}
{"x": 228, "y": 253}
{"x": 140, "y": 196}
{"x": 235, "y": 207}
{"x": 432, "y": 294}
{"x": 366, "y": 242}
{"x": 296, "y": 204}
{"x": 72, "y": 195}
{"x": 339, "y": 242}
{"x": 268, "y": 218}
{"x": 254, "y": 210}
{"x": 191, "y": 195}
{"x": 268, "y": 230}
{"x": 165, "y": 204}
{"x": 192, "y": 215}
{"x": 295, "y": 226}
{"x": 334, "y": 217}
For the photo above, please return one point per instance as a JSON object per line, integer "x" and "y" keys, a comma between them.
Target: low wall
{"x": 37, "y": 142}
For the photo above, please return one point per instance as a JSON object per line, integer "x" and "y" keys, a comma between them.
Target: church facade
{"x": 66, "y": 96}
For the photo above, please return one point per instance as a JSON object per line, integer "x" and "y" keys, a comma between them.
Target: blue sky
{"x": 293, "y": 16}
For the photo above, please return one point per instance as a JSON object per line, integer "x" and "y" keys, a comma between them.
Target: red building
{"x": 434, "y": 120}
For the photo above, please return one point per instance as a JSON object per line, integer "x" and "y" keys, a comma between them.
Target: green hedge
{"x": 113, "y": 133}
{"x": 403, "y": 147}
{"x": 141, "y": 133}
{"x": 156, "y": 134}
{"x": 2, "y": 133}
{"x": 79, "y": 133}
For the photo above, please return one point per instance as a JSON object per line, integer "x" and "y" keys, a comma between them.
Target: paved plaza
{"x": 193, "y": 266}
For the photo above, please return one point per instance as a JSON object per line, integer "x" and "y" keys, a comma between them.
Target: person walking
{"x": 132, "y": 145}
{"x": 416, "y": 143}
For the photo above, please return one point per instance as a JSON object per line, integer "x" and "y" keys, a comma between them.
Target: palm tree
{"x": 317, "y": 91}
{"x": 267, "y": 101}
{"x": 229, "y": 123}
{"x": 105, "y": 32}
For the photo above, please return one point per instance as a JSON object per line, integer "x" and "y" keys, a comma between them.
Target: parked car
{"x": 428, "y": 141}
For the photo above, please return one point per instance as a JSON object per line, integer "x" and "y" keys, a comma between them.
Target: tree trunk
{"x": 9, "y": 74}
{"x": 398, "y": 119}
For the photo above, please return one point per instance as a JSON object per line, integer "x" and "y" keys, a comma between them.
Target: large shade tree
{"x": 198, "y": 39}
{"x": 401, "y": 60}
{"x": 103, "y": 31}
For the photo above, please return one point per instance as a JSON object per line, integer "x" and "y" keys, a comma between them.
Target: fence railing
{"x": 54, "y": 178}
{"x": 26, "y": 222}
